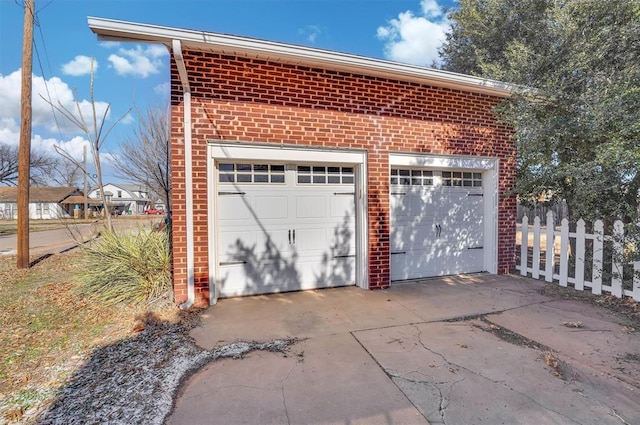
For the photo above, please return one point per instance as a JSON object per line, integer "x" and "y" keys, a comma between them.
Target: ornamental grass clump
{"x": 128, "y": 267}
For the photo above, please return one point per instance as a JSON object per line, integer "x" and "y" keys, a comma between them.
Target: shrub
{"x": 129, "y": 267}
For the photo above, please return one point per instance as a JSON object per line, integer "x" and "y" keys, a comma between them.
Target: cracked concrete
{"x": 334, "y": 382}
{"x": 415, "y": 354}
{"x": 483, "y": 379}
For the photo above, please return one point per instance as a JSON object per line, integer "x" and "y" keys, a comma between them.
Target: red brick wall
{"x": 249, "y": 100}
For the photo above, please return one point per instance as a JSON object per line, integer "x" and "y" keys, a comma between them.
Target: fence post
{"x": 636, "y": 280}
{"x": 618, "y": 259}
{"x": 564, "y": 252}
{"x": 579, "y": 271}
{"x": 536, "y": 248}
{"x": 524, "y": 246}
{"x": 598, "y": 249}
{"x": 550, "y": 251}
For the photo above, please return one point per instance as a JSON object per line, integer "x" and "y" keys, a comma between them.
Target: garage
{"x": 440, "y": 218}
{"x": 284, "y": 225}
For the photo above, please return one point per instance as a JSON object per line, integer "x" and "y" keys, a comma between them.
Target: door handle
{"x": 294, "y": 236}
{"x": 289, "y": 236}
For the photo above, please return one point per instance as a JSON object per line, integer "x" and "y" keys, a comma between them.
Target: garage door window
{"x": 407, "y": 177}
{"x": 461, "y": 179}
{"x": 250, "y": 173}
{"x": 325, "y": 175}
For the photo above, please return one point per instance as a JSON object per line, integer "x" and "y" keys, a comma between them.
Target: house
{"x": 297, "y": 168}
{"x": 124, "y": 198}
{"x": 44, "y": 202}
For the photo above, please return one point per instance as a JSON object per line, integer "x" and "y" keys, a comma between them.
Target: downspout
{"x": 186, "y": 92}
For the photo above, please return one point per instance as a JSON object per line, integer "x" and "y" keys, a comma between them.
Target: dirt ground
{"x": 626, "y": 309}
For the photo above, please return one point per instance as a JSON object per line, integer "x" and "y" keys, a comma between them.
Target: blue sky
{"x": 404, "y": 31}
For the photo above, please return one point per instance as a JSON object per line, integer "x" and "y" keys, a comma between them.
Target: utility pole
{"x": 24, "y": 152}
{"x": 84, "y": 167}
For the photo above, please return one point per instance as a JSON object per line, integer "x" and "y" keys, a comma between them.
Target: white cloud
{"x": 110, "y": 44}
{"x": 138, "y": 61}
{"x": 311, "y": 32}
{"x": 10, "y": 134}
{"x": 431, "y": 8}
{"x": 163, "y": 89}
{"x": 415, "y": 39}
{"x": 80, "y": 65}
{"x": 73, "y": 147}
{"x": 9, "y": 131}
{"x": 42, "y": 112}
{"x": 128, "y": 119}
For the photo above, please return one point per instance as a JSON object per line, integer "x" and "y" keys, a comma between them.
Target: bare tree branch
{"x": 144, "y": 156}
{"x": 67, "y": 173}
{"x": 93, "y": 136}
{"x": 42, "y": 165}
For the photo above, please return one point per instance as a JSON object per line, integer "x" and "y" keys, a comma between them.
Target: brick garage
{"x": 244, "y": 92}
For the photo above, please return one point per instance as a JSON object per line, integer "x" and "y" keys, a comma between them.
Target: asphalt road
{"x": 67, "y": 237}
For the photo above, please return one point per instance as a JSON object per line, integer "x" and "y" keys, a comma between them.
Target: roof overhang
{"x": 114, "y": 30}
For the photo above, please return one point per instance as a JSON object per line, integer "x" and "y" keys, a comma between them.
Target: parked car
{"x": 154, "y": 211}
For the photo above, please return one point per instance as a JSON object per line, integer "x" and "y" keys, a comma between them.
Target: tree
{"x": 144, "y": 156}
{"x": 96, "y": 135}
{"x": 497, "y": 39}
{"x": 578, "y": 128}
{"x": 42, "y": 165}
{"x": 67, "y": 173}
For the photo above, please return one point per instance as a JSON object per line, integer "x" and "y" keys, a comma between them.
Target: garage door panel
{"x": 407, "y": 205}
{"x": 342, "y": 206}
{"x": 412, "y": 265}
{"x": 327, "y": 272}
{"x": 252, "y": 245}
{"x": 234, "y": 207}
{"x": 409, "y": 236}
{"x": 271, "y": 207}
{"x": 231, "y": 242}
{"x": 311, "y": 207}
{"x": 274, "y": 243}
{"x": 310, "y": 240}
{"x": 258, "y": 278}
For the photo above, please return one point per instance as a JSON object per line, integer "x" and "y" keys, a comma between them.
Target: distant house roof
{"x": 79, "y": 199}
{"x": 131, "y": 189}
{"x": 39, "y": 194}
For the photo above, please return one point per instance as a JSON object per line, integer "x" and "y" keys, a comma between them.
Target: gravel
{"x": 135, "y": 381}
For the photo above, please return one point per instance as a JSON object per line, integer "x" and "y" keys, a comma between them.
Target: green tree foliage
{"x": 578, "y": 128}
{"x": 497, "y": 39}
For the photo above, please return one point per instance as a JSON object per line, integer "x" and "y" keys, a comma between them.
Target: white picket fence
{"x": 553, "y": 256}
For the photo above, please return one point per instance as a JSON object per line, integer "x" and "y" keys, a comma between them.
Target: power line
{"x": 46, "y": 85}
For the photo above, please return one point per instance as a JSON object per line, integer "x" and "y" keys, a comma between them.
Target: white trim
{"x": 212, "y": 227}
{"x": 285, "y": 153}
{"x": 490, "y": 167}
{"x": 239, "y": 151}
{"x": 188, "y": 170}
{"x": 441, "y": 161}
{"x": 115, "y": 30}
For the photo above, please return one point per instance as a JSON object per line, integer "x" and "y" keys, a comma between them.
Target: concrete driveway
{"x": 475, "y": 349}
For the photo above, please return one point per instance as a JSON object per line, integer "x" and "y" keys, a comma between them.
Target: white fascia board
{"x": 114, "y": 30}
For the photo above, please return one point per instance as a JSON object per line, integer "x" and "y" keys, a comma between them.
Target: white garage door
{"x": 284, "y": 227}
{"x": 437, "y": 223}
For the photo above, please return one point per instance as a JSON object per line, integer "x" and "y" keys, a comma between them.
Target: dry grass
{"x": 626, "y": 309}
{"x": 47, "y": 331}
